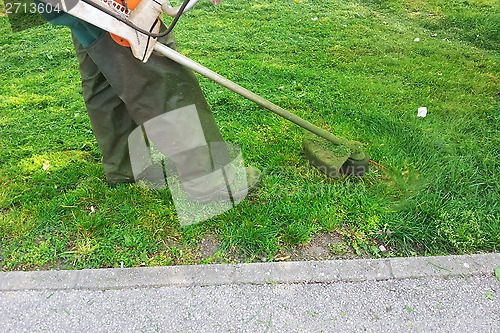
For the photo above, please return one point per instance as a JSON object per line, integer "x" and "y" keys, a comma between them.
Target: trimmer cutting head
{"x": 335, "y": 159}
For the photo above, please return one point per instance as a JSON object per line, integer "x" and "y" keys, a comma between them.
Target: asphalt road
{"x": 439, "y": 302}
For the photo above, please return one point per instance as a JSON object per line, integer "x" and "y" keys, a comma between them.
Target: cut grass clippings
{"x": 359, "y": 69}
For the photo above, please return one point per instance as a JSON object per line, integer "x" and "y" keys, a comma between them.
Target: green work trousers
{"x": 122, "y": 93}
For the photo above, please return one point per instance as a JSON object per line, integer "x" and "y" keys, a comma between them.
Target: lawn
{"x": 359, "y": 69}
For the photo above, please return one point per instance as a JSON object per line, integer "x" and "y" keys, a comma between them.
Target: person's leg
{"x": 109, "y": 117}
{"x": 151, "y": 91}
{"x": 166, "y": 98}
{"x": 153, "y": 88}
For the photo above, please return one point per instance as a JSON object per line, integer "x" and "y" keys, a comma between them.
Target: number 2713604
{"x": 30, "y": 8}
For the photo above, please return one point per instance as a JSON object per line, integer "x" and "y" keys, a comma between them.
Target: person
{"x": 122, "y": 94}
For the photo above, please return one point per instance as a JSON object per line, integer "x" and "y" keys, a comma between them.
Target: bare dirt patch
{"x": 209, "y": 246}
{"x": 322, "y": 247}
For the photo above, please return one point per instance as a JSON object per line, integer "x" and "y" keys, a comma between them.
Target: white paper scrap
{"x": 422, "y": 112}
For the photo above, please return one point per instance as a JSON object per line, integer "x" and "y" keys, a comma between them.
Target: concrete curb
{"x": 260, "y": 273}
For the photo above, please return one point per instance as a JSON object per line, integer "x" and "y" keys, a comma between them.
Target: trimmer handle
{"x": 172, "y": 11}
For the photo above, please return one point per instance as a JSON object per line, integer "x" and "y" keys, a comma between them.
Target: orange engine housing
{"x": 131, "y": 4}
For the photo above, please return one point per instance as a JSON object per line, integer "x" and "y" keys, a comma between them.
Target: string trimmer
{"x": 136, "y": 24}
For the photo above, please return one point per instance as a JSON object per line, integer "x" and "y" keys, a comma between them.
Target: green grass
{"x": 350, "y": 67}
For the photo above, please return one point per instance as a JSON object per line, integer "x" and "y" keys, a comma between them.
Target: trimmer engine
{"x": 133, "y": 23}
